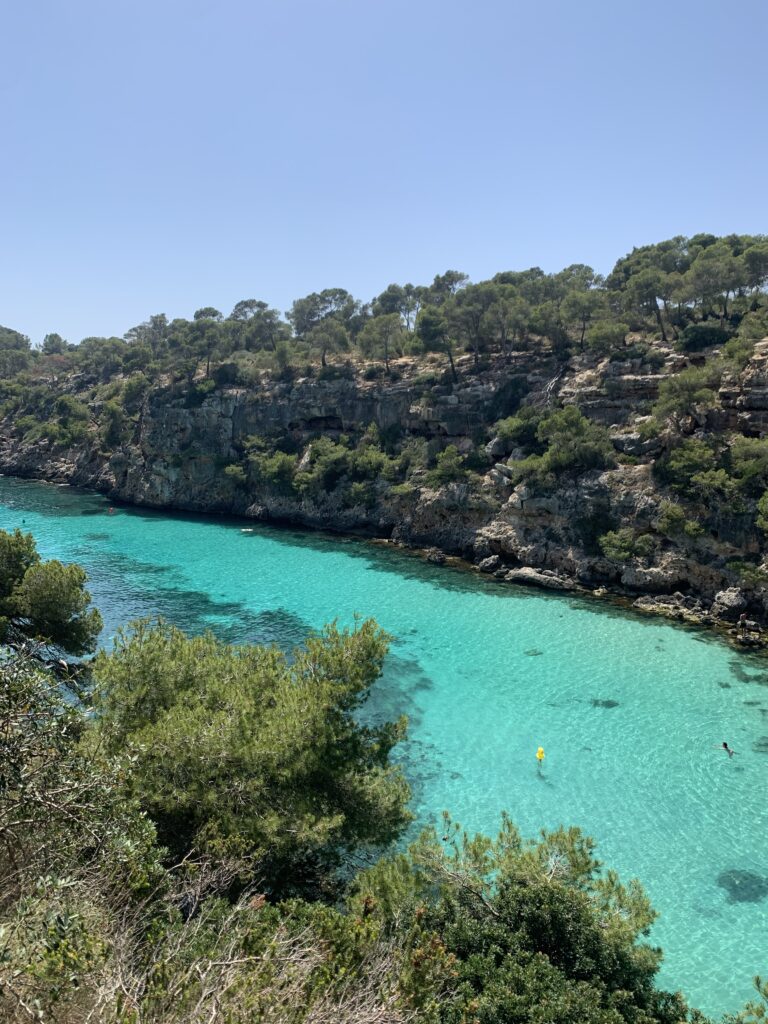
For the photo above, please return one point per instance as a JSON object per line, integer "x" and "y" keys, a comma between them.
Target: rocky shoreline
{"x": 178, "y": 453}
{"x": 718, "y": 617}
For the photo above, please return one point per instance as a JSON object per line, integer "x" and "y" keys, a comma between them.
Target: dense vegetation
{"x": 43, "y": 602}
{"x": 692, "y": 307}
{"x": 696, "y": 291}
{"x": 191, "y": 853}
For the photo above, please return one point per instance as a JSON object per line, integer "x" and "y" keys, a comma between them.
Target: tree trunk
{"x": 453, "y": 368}
{"x": 660, "y": 321}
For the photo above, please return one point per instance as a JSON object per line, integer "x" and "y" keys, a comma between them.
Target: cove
{"x": 629, "y": 710}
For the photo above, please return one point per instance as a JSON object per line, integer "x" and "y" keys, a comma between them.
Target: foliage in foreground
{"x": 261, "y": 782}
{"x": 94, "y": 927}
{"x": 243, "y": 752}
{"x": 44, "y": 601}
{"x": 532, "y": 930}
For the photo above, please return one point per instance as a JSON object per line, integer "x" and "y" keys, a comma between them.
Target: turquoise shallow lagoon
{"x": 629, "y": 710}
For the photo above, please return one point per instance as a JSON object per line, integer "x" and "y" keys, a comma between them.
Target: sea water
{"x": 631, "y": 711}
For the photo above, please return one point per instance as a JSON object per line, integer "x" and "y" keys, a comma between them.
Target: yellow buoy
{"x": 540, "y": 754}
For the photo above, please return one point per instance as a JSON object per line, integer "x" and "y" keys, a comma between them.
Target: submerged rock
{"x": 743, "y": 886}
{"x": 435, "y": 556}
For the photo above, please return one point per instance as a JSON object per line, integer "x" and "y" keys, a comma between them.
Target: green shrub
{"x": 526, "y": 930}
{"x": 73, "y": 434}
{"x": 521, "y": 428}
{"x": 649, "y": 428}
{"x": 696, "y": 337}
{"x": 336, "y": 371}
{"x": 368, "y": 462}
{"x": 673, "y": 521}
{"x": 654, "y": 359}
{"x": 635, "y": 351}
{"x": 606, "y": 336}
{"x": 738, "y": 351}
{"x": 134, "y": 390}
{"x": 573, "y": 441}
{"x": 623, "y": 544}
{"x": 198, "y": 393}
{"x": 449, "y": 468}
{"x": 236, "y": 474}
{"x": 413, "y": 457}
{"x": 244, "y": 750}
{"x": 113, "y": 424}
{"x": 71, "y": 410}
{"x": 750, "y": 574}
{"x": 762, "y": 512}
{"x": 678, "y": 466}
{"x": 26, "y": 424}
{"x": 48, "y": 430}
{"x": 715, "y": 484}
{"x": 360, "y": 493}
{"x": 749, "y": 464}
{"x": 692, "y": 388}
{"x": 275, "y": 471}
{"x": 328, "y": 463}
{"x": 403, "y": 490}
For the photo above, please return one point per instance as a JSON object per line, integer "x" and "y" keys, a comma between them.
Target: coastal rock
{"x": 539, "y": 578}
{"x": 729, "y": 604}
{"x": 496, "y": 449}
{"x": 634, "y": 444}
{"x": 673, "y": 606}
{"x": 657, "y": 579}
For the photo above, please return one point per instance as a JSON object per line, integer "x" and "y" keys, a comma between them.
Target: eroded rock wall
{"x": 180, "y": 448}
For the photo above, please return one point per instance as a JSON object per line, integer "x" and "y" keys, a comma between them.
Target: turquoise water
{"x": 630, "y": 710}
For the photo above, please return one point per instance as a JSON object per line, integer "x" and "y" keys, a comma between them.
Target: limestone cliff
{"x": 180, "y": 445}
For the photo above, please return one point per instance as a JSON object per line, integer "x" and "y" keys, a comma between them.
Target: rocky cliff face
{"x": 179, "y": 450}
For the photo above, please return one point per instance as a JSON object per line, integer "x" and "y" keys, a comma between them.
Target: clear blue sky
{"x": 162, "y": 156}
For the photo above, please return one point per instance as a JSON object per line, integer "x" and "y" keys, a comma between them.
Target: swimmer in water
{"x": 728, "y": 750}
{"x": 539, "y": 758}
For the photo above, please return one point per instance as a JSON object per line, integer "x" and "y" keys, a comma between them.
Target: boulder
{"x": 496, "y": 449}
{"x": 541, "y": 506}
{"x": 655, "y": 579}
{"x": 729, "y": 604}
{"x": 435, "y": 556}
{"x": 633, "y": 444}
{"x": 498, "y": 479}
{"x": 539, "y": 578}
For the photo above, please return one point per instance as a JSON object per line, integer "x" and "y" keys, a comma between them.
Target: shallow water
{"x": 630, "y": 710}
